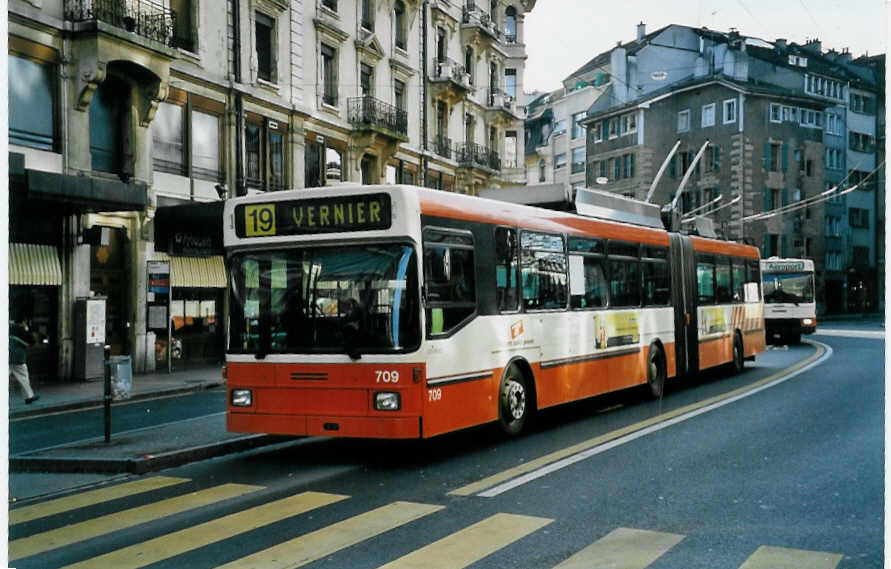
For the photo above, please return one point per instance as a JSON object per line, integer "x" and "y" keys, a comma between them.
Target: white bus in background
{"x": 790, "y": 309}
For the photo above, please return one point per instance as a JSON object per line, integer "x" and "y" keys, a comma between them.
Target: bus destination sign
{"x": 783, "y": 267}
{"x": 319, "y": 215}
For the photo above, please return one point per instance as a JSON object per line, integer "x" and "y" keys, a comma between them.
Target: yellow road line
{"x": 173, "y": 544}
{"x": 470, "y": 544}
{"x": 89, "y": 529}
{"x": 59, "y": 505}
{"x": 623, "y": 548}
{"x": 540, "y": 462}
{"x": 767, "y": 557}
{"x": 318, "y": 544}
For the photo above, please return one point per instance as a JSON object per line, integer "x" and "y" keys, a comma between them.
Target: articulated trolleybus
{"x": 403, "y": 312}
{"x": 790, "y": 309}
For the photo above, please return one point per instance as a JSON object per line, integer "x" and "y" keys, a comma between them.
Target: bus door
{"x": 684, "y": 298}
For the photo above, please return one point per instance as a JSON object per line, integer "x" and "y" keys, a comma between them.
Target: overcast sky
{"x": 561, "y": 35}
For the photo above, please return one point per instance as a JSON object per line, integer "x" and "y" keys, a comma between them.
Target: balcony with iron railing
{"x": 442, "y": 145}
{"x": 146, "y": 18}
{"x": 472, "y": 155}
{"x": 449, "y": 80}
{"x": 478, "y": 20}
{"x": 368, "y": 113}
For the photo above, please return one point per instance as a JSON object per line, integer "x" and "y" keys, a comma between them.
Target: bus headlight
{"x": 387, "y": 401}
{"x": 241, "y": 398}
{"x": 807, "y": 321}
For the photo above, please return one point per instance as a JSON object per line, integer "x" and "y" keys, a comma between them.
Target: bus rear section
{"x": 790, "y": 308}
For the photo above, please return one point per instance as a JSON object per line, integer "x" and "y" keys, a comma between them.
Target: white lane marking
{"x": 873, "y": 334}
{"x": 560, "y": 464}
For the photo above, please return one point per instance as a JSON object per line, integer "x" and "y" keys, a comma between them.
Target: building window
{"x": 776, "y": 112}
{"x": 399, "y": 24}
{"x": 183, "y": 24}
{"x": 468, "y": 63}
{"x": 811, "y": 118}
{"x": 510, "y": 149}
{"x": 265, "y": 154}
{"x": 108, "y": 111}
{"x": 323, "y": 164}
{"x": 366, "y": 80}
{"x": 729, "y": 111}
{"x": 510, "y": 25}
{"x": 628, "y": 166}
{"x": 167, "y": 139}
{"x": 329, "y": 75}
{"x": 834, "y": 159}
{"x": 399, "y": 94}
{"x": 560, "y": 127}
{"x": 684, "y": 120}
{"x": 862, "y": 103}
{"x": 367, "y": 17}
{"x": 858, "y": 218}
{"x": 32, "y": 105}
{"x": 613, "y": 126}
{"x": 577, "y": 129}
{"x": 774, "y": 157}
{"x": 330, "y": 4}
{"x": 205, "y": 133}
{"x": 708, "y": 115}
{"x": 541, "y": 171}
{"x": 628, "y": 124}
{"x": 265, "y": 46}
{"x": 598, "y": 131}
{"x": 510, "y": 83}
{"x": 560, "y": 161}
{"x": 822, "y": 86}
{"x": 861, "y": 142}
{"x": 578, "y": 160}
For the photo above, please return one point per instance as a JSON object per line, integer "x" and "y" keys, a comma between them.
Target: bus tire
{"x": 656, "y": 371}
{"x": 739, "y": 358}
{"x": 514, "y": 402}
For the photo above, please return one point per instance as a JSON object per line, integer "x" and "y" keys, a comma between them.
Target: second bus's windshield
{"x": 788, "y": 287}
{"x": 349, "y": 299}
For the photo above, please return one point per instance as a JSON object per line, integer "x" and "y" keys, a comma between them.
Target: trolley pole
{"x": 107, "y": 398}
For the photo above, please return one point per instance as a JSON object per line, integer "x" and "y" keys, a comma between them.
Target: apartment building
{"x": 780, "y": 130}
{"x": 131, "y": 121}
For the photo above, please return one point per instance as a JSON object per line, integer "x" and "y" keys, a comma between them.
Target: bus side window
{"x": 543, "y": 264}
{"x": 722, "y": 280}
{"x": 656, "y": 277}
{"x": 753, "y": 278}
{"x": 624, "y": 274}
{"x": 705, "y": 278}
{"x": 588, "y": 284}
{"x": 506, "y": 284}
{"x": 738, "y": 272}
{"x": 450, "y": 283}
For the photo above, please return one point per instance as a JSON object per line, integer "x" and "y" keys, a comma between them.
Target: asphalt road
{"x": 44, "y": 431}
{"x": 791, "y": 472}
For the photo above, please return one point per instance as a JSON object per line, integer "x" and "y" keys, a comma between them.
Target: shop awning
{"x": 34, "y": 265}
{"x": 196, "y": 272}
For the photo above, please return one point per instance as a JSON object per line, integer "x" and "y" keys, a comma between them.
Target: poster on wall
{"x": 96, "y": 321}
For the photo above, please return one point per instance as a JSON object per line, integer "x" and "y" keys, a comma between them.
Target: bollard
{"x": 107, "y": 400}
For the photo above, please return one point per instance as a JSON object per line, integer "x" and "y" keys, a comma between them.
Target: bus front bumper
{"x": 312, "y": 425}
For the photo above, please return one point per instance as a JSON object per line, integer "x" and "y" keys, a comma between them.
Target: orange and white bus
{"x": 403, "y": 312}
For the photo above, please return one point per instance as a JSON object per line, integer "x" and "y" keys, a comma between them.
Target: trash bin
{"x": 121, "y": 374}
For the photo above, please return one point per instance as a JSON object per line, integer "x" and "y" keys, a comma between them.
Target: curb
{"x": 94, "y": 402}
{"x": 148, "y": 463}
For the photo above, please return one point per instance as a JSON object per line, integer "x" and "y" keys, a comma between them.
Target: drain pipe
{"x": 424, "y": 64}
{"x": 240, "y": 188}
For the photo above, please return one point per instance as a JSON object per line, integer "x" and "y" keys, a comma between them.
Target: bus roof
{"x": 436, "y": 203}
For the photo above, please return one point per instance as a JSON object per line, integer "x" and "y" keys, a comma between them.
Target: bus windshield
{"x": 349, "y": 299}
{"x": 788, "y": 287}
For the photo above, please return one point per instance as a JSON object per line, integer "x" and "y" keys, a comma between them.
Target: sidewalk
{"x": 137, "y": 451}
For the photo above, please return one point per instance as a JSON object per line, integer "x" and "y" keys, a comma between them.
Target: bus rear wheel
{"x": 739, "y": 361}
{"x": 656, "y": 371}
{"x": 513, "y": 400}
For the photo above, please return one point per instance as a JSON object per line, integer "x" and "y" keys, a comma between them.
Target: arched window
{"x": 107, "y": 113}
{"x": 510, "y": 25}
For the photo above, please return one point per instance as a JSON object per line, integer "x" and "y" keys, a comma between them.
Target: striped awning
{"x": 197, "y": 272}
{"x": 34, "y": 265}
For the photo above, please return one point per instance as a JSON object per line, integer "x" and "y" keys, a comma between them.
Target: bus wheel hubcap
{"x": 515, "y": 399}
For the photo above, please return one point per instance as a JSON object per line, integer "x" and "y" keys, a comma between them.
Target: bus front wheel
{"x": 739, "y": 360}
{"x": 513, "y": 400}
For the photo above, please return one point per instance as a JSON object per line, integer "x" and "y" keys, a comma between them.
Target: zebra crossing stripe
{"x": 323, "y": 542}
{"x": 214, "y": 531}
{"x": 767, "y": 557}
{"x": 471, "y": 544}
{"x": 59, "y": 505}
{"x": 89, "y": 529}
{"x": 623, "y": 548}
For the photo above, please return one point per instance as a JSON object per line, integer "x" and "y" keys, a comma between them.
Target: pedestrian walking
{"x": 19, "y": 340}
